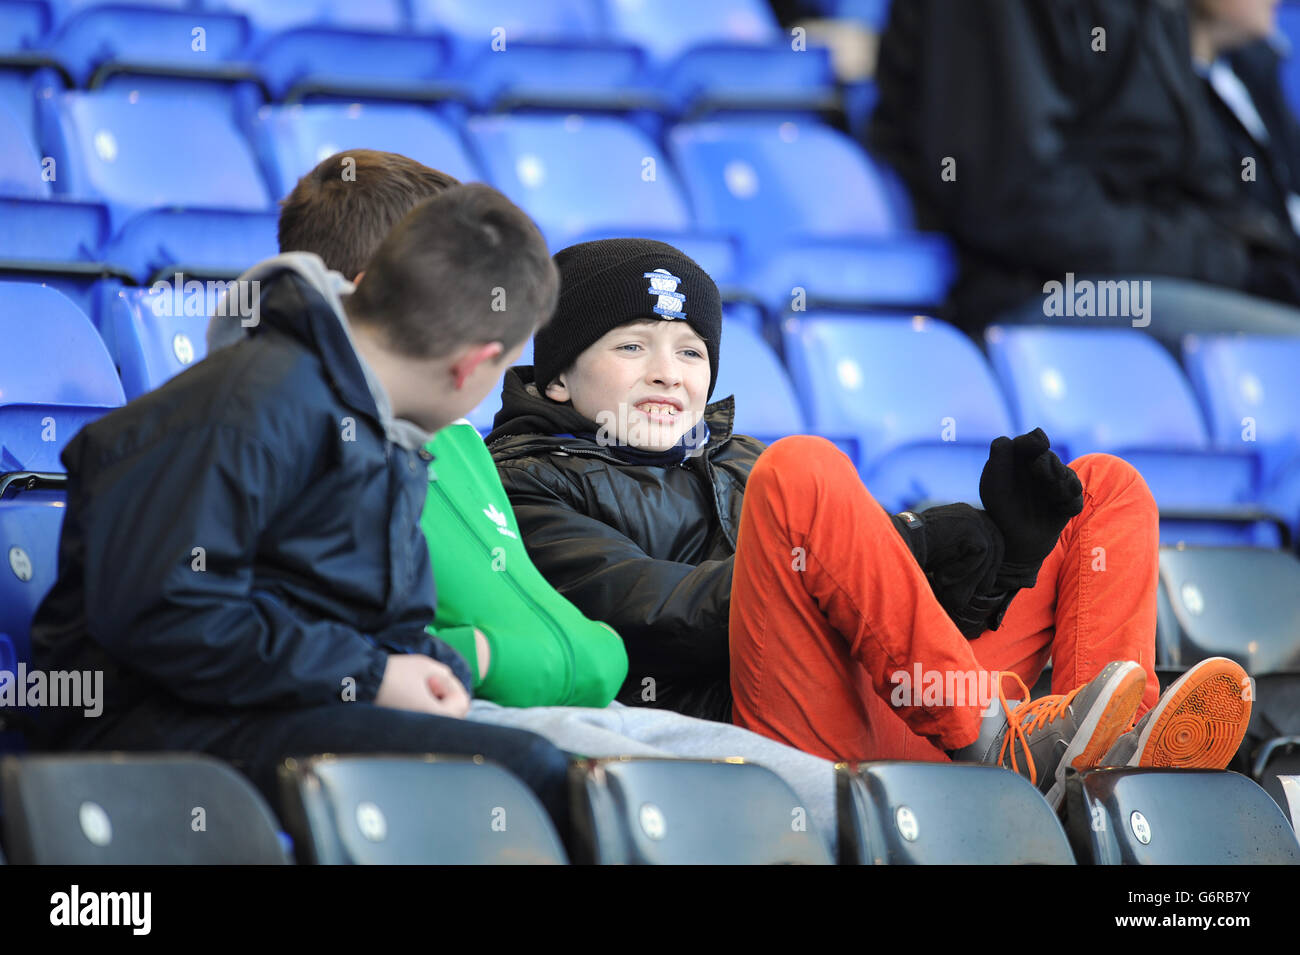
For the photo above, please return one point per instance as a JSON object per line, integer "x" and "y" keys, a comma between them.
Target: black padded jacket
{"x": 648, "y": 550}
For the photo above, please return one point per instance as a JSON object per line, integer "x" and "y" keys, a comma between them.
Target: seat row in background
{"x": 137, "y": 185}
{"x": 670, "y": 56}
{"x": 113, "y": 809}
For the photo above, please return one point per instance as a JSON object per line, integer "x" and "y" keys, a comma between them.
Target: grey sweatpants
{"x": 619, "y": 730}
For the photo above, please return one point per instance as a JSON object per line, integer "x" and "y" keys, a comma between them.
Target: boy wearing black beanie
{"x": 774, "y": 575}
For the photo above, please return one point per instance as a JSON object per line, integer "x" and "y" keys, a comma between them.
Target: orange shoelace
{"x": 1038, "y": 713}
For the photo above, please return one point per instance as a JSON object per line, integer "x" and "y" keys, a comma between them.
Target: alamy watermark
{"x": 234, "y": 299}
{"x": 71, "y": 688}
{"x": 922, "y": 687}
{"x": 1086, "y": 298}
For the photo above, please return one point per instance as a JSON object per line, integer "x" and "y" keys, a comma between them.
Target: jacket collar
{"x": 535, "y": 422}
{"x": 303, "y": 299}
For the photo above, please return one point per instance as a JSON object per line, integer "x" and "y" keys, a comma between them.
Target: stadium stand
{"x": 133, "y": 148}
{"x": 122, "y": 809}
{"x": 1242, "y": 603}
{"x": 1175, "y": 817}
{"x": 149, "y": 336}
{"x": 57, "y": 376}
{"x": 290, "y": 140}
{"x": 1251, "y": 397}
{"x": 559, "y": 55}
{"x": 682, "y": 812}
{"x": 382, "y": 810}
{"x": 844, "y": 235}
{"x": 199, "y": 205}
{"x": 1112, "y": 391}
{"x": 898, "y": 813}
{"x": 916, "y": 443}
{"x": 31, "y": 516}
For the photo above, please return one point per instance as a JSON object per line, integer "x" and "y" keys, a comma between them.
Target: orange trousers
{"x": 828, "y": 608}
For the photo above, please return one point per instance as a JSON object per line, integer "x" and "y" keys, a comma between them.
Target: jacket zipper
{"x": 518, "y": 588}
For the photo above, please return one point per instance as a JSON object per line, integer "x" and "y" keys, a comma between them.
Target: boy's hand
{"x": 964, "y": 550}
{"x": 421, "y": 684}
{"x": 1031, "y": 495}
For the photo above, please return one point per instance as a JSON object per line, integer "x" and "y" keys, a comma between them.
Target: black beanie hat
{"x": 611, "y": 282}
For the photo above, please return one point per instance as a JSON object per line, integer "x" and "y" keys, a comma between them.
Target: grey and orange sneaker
{"x": 1043, "y": 738}
{"x": 1198, "y": 723}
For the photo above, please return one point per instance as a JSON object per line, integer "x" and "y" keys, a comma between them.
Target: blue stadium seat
{"x": 1251, "y": 395}
{"x": 776, "y": 80}
{"x": 378, "y": 16}
{"x": 555, "y": 54}
{"x": 481, "y": 417}
{"x": 669, "y": 28}
{"x": 21, "y": 87}
{"x": 24, "y": 67}
{"x": 902, "y": 813}
{"x": 766, "y": 405}
{"x": 724, "y": 55}
{"x": 39, "y": 227}
{"x": 753, "y": 178}
{"x": 82, "y": 289}
{"x": 31, "y": 519}
{"x": 843, "y": 235}
{"x": 98, "y": 39}
{"x": 126, "y": 809}
{"x": 1117, "y": 391}
{"x": 580, "y": 175}
{"x": 24, "y": 24}
{"x": 150, "y": 339}
{"x": 689, "y": 812}
{"x": 1250, "y": 391}
{"x": 750, "y": 316}
{"x": 180, "y": 181}
{"x": 915, "y": 392}
{"x": 1237, "y": 602}
{"x": 399, "y": 810}
{"x": 315, "y": 62}
{"x": 1175, "y": 817}
{"x": 56, "y": 374}
{"x": 291, "y": 140}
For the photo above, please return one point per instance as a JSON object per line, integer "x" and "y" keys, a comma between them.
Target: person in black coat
{"x": 1235, "y": 52}
{"x": 1055, "y": 139}
{"x": 242, "y": 555}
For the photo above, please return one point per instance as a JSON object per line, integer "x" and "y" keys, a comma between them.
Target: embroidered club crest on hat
{"x": 663, "y": 285}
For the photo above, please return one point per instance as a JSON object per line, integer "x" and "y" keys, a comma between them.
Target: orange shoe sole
{"x": 1202, "y": 724}
{"x": 1115, "y": 720}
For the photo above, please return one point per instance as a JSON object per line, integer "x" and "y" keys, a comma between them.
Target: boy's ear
{"x": 473, "y": 356}
{"x": 558, "y": 390}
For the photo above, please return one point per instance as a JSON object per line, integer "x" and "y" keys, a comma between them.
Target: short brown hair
{"x": 465, "y": 267}
{"x": 343, "y": 220}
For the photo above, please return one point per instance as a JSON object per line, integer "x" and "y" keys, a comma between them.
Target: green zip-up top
{"x": 544, "y": 651}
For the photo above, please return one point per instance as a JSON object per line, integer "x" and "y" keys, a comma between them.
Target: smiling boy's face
{"x": 644, "y": 383}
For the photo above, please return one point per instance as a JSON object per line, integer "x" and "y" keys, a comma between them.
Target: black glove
{"x": 961, "y": 550}
{"x": 1031, "y": 496}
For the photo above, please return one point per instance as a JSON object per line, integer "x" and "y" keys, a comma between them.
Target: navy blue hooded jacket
{"x": 248, "y": 535}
